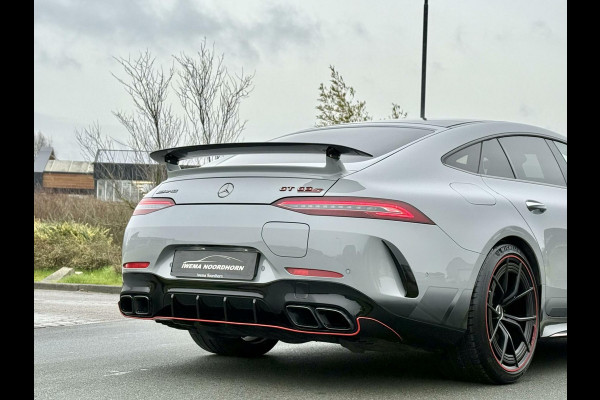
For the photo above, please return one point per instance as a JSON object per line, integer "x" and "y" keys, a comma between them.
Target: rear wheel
{"x": 247, "y": 346}
{"x": 503, "y": 318}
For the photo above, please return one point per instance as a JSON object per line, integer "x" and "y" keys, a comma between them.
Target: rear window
{"x": 373, "y": 140}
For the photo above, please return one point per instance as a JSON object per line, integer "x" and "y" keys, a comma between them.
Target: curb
{"x": 83, "y": 287}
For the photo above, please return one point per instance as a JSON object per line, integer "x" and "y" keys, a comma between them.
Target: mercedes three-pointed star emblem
{"x": 225, "y": 190}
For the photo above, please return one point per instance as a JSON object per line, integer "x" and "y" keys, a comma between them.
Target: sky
{"x": 500, "y": 60}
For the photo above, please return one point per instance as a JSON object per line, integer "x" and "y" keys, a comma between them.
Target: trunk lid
{"x": 240, "y": 189}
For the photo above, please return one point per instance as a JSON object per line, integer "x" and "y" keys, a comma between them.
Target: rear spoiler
{"x": 332, "y": 152}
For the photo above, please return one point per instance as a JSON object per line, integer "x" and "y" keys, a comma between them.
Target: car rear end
{"x": 253, "y": 245}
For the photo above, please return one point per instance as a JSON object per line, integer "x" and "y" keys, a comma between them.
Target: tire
{"x": 236, "y": 347}
{"x": 497, "y": 348}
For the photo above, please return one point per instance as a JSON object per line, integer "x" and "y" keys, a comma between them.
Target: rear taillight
{"x": 151, "y": 204}
{"x": 136, "y": 265}
{"x": 357, "y": 207}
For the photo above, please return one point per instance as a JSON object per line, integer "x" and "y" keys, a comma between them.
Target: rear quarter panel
{"x": 417, "y": 176}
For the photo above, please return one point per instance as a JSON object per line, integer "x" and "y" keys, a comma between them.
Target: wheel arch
{"x": 524, "y": 240}
{"x": 529, "y": 253}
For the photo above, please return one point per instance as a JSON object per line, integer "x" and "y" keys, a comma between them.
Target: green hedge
{"x": 75, "y": 245}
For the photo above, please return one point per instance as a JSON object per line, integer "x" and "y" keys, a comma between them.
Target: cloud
{"x": 137, "y": 23}
{"x": 459, "y": 38}
{"x": 437, "y": 67}
{"x": 526, "y": 111}
{"x": 541, "y": 28}
{"x": 128, "y": 21}
{"x": 360, "y": 30}
{"x": 59, "y": 59}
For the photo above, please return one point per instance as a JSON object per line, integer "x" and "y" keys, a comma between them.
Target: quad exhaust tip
{"x": 126, "y": 304}
{"x": 303, "y": 316}
{"x": 319, "y": 317}
{"x": 138, "y": 304}
{"x": 334, "y": 319}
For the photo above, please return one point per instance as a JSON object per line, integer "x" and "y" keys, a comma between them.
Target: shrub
{"x": 75, "y": 245}
{"x": 55, "y": 207}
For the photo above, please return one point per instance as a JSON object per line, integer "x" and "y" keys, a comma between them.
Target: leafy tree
{"x": 338, "y": 106}
{"x": 397, "y": 112}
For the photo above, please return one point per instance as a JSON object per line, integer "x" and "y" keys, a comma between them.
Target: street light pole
{"x": 424, "y": 60}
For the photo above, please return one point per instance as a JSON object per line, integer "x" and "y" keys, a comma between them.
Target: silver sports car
{"x": 441, "y": 234}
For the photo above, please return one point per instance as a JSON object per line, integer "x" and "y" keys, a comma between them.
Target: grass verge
{"x": 102, "y": 276}
{"x": 39, "y": 274}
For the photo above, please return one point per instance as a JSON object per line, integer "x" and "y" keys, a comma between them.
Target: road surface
{"x": 83, "y": 348}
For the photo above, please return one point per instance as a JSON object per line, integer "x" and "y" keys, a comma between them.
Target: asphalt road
{"x": 83, "y": 348}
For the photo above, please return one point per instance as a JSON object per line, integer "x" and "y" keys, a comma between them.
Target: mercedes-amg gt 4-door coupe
{"x": 447, "y": 235}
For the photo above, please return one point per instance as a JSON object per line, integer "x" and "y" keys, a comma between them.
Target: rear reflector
{"x": 357, "y": 207}
{"x": 151, "y": 204}
{"x": 314, "y": 272}
{"x": 136, "y": 265}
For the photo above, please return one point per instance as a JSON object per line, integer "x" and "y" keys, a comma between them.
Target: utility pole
{"x": 424, "y": 60}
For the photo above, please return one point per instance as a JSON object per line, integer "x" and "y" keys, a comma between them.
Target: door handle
{"x": 535, "y": 206}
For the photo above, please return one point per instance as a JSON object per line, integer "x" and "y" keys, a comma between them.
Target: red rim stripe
{"x": 534, "y": 335}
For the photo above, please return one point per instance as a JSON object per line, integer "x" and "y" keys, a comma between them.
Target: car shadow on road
{"x": 550, "y": 354}
{"x": 326, "y": 368}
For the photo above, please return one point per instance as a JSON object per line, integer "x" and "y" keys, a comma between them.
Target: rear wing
{"x": 332, "y": 152}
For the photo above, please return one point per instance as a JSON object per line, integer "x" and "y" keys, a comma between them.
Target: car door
{"x": 532, "y": 180}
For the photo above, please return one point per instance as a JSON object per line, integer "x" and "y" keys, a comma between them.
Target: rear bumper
{"x": 426, "y": 302}
{"x": 289, "y": 310}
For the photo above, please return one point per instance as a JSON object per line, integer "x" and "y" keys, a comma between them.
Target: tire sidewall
{"x": 479, "y": 308}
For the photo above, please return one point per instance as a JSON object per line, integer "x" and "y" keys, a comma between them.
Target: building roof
{"x": 71, "y": 167}
{"x": 123, "y": 157}
{"x": 44, "y": 155}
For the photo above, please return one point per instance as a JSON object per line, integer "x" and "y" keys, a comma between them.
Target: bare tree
{"x": 39, "y": 141}
{"x": 109, "y": 160}
{"x": 91, "y": 139}
{"x": 211, "y": 97}
{"x": 152, "y": 125}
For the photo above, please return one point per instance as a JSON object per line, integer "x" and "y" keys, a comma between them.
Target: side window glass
{"x": 532, "y": 159}
{"x": 494, "y": 161}
{"x": 466, "y": 159}
{"x": 562, "y": 148}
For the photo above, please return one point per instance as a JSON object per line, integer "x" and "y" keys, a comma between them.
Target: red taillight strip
{"x": 271, "y": 326}
{"x": 356, "y": 207}
{"x": 136, "y": 265}
{"x": 151, "y": 204}
{"x": 314, "y": 272}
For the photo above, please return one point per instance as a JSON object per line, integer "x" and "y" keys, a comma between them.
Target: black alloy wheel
{"x": 511, "y": 318}
{"x": 503, "y": 320}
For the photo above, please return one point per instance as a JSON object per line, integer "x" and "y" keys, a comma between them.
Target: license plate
{"x": 215, "y": 264}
